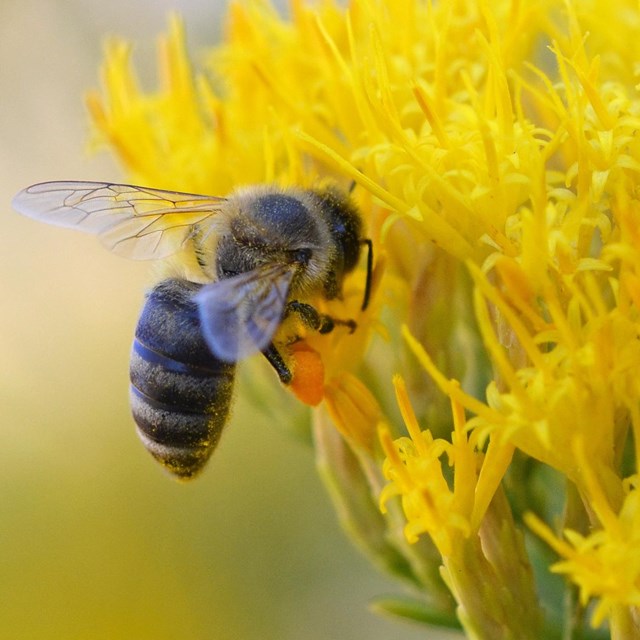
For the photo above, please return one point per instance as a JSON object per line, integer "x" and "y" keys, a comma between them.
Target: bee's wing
{"x": 239, "y": 315}
{"x": 136, "y": 222}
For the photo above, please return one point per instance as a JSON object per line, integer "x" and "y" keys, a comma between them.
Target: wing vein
{"x": 138, "y": 222}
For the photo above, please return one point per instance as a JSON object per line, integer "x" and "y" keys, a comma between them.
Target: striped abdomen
{"x": 180, "y": 392}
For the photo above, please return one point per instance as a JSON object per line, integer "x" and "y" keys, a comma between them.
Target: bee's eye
{"x": 302, "y": 256}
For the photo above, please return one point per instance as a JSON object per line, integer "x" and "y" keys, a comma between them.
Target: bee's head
{"x": 317, "y": 230}
{"x": 266, "y": 226}
{"x": 345, "y": 227}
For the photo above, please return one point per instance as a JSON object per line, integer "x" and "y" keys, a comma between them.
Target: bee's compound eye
{"x": 302, "y": 256}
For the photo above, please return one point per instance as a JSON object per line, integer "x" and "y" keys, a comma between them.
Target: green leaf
{"x": 414, "y": 610}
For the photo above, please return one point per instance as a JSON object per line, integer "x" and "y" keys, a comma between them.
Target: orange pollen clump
{"x": 308, "y": 374}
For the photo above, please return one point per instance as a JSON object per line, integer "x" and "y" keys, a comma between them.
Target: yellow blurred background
{"x": 96, "y": 542}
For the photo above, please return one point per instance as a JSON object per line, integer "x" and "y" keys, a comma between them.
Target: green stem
{"x": 624, "y": 623}
{"x": 491, "y": 579}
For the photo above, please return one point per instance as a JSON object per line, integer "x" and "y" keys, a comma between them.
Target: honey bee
{"x": 262, "y": 252}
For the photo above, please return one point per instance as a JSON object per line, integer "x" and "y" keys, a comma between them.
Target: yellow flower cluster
{"x": 607, "y": 558}
{"x": 495, "y": 152}
{"x": 413, "y": 465}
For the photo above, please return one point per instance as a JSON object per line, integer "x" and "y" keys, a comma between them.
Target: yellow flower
{"x": 606, "y": 563}
{"x": 414, "y": 468}
{"x": 495, "y": 154}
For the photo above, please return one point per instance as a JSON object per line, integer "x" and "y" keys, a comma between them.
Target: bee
{"x": 262, "y": 252}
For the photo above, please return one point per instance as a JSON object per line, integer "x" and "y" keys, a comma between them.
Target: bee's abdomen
{"x": 180, "y": 392}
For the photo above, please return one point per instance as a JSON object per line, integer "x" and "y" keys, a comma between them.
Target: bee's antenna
{"x": 367, "y": 286}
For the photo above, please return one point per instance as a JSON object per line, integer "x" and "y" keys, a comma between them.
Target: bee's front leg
{"x": 320, "y": 322}
{"x": 312, "y": 318}
{"x": 278, "y": 363}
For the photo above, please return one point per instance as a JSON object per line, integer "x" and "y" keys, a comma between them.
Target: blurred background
{"x": 95, "y": 540}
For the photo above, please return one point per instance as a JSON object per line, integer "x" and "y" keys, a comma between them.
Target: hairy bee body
{"x": 263, "y": 252}
{"x": 180, "y": 392}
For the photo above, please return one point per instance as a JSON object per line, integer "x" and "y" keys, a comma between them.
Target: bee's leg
{"x": 320, "y": 322}
{"x": 276, "y": 361}
{"x": 317, "y": 321}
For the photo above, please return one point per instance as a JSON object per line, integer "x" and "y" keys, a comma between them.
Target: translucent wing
{"x": 136, "y": 222}
{"x": 239, "y": 315}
